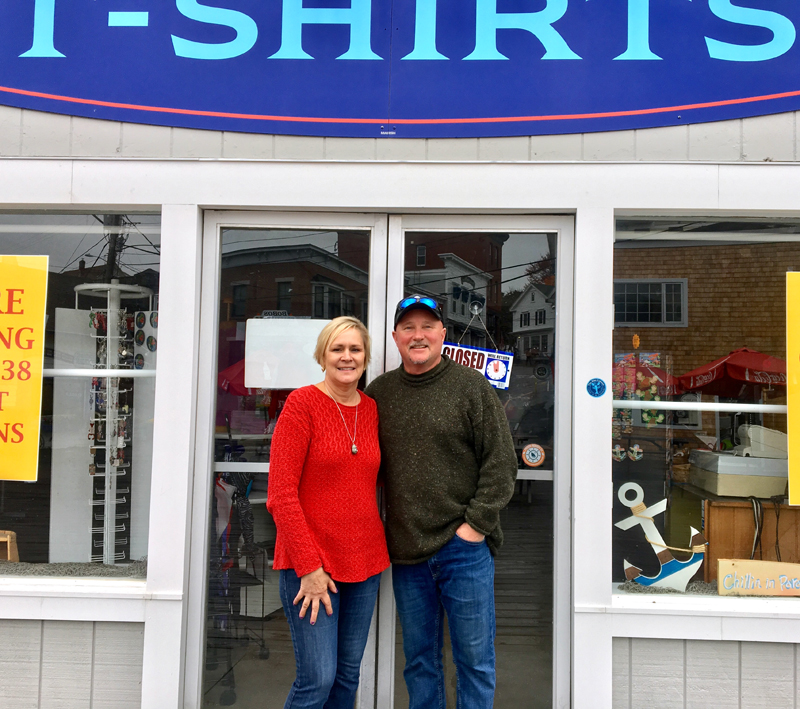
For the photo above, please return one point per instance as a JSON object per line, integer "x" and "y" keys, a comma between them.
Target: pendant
{"x": 354, "y": 450}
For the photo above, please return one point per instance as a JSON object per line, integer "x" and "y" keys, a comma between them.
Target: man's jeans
{"x": 328, "y": 654}
{"x": 457, "y": 580}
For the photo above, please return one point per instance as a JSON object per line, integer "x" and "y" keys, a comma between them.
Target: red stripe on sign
{"x": 398, "y": 121}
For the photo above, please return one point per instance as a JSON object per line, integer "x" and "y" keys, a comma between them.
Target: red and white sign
{"x": 494, "y": 365}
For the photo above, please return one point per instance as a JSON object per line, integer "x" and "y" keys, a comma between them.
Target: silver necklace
{"x": 354, "y": 448}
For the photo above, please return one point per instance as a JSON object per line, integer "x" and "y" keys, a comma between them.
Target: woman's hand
{"x": 314, "y": 588}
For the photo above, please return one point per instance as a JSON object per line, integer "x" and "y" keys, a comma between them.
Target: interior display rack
{"x": 111, "y": 402}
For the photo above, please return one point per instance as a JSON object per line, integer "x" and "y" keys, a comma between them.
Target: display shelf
{"x": 112, "y": 347}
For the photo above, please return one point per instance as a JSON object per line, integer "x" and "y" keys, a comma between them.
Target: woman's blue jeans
{"x": 328, "y": 654}
{"x": 457, "y": 580}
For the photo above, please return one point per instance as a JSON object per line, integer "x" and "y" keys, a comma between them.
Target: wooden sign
{"x": 23, "y": 294}
{"x": 749, "y": 577}
{"x": 793, "y": 382}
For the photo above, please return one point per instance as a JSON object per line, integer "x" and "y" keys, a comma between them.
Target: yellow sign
{"x": 749, "y": 577}
{"x": 793, "y": 382}
{"x": 23, "y": 295}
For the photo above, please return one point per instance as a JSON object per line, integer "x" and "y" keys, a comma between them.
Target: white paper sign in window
{"x": 279, "y": 352}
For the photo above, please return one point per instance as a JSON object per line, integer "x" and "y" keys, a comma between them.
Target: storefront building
{"x": 615, "y": 262}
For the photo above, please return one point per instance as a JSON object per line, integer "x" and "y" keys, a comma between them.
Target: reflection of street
{"x": 529, "y": 406}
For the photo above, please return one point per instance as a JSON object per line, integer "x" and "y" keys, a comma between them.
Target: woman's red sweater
{"x": 321, "y": 496}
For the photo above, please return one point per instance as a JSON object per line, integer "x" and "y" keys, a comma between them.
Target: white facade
{"x": 603, "y": 640}
{"x": 533, "y": 321}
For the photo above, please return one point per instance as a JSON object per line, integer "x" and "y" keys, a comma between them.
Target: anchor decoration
{"x": 635, "y": 452}
{"x": 674, "y": 574}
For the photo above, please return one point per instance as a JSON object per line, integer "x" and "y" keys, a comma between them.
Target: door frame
{"x": 564, "y": 227}
{"x": 213, "y": 223}
{"x": 385, "y": 289}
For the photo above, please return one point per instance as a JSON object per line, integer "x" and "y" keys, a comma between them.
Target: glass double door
{"x": 504, "y": 284}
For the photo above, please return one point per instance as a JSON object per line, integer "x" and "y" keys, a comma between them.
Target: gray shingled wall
{"x": 70, "y": 665}
{"x": 31, "y": 133}
{"x": 697, "y": 674}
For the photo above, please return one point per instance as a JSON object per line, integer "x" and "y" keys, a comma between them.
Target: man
{"x": 449, "y": 468}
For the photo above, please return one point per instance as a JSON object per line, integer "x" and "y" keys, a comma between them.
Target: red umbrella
{"x": 727, "y": 375}
{"x": 231, "y": 379}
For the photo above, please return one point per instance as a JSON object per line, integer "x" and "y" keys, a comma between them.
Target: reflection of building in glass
{"x": 533, "y": 318}
{"x": 300, "y": 280}
{"x": 458, "y": 269}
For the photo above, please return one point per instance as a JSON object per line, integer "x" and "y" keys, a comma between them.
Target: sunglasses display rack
{"x": 111, "y": 420}
{"x": 103, "y": 407}
{"x": 111, "y": 435}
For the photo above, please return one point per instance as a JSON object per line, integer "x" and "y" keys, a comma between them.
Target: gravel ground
{"x": 695, "y": 587}
{"x": 136, "y": 569}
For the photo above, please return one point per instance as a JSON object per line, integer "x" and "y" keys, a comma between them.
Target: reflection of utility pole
{"x": 112, "y": 222}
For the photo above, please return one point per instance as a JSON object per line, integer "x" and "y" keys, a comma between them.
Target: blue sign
{"x": 596, "y": 387}
{"x": 404, "y": 68}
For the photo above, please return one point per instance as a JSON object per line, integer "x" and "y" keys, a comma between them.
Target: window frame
{"x": 279, "y": 283}
{"x": 683, "y": 322}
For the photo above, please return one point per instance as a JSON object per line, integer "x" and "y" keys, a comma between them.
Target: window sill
{"x": 718, "y": 606}
{"x": 78, "y": 599}
{"x": 695, "y": 617}
{"x": 81, "y": 587}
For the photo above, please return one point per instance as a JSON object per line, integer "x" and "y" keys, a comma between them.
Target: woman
{"x": 330, "y": 545}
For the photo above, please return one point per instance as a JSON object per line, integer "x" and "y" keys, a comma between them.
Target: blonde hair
{"x": 335, "y": 328}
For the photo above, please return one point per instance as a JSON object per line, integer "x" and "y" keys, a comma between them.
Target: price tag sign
{"x": 23, "y": 296}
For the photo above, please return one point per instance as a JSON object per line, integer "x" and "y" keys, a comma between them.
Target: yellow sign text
{"x": 23, "y": 296}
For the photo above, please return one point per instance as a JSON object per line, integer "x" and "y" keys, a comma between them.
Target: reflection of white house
{"x": 456, "y": 287}
{"x": 534, "y": 319}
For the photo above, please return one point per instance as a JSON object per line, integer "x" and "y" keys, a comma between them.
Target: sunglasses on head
{"x": 413, "y": 299}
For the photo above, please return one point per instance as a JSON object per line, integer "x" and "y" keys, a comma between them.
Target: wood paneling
{"x": 70, "y": 664}
{"x": 66, "y": 665}
{"x": 657, "y": 672}
{"x": 729, "y": 529}
{"x": 767, "y": 676}
{"x": 695, "y": 674}
{"x": 20, "y": 658}
{"x": 712, "y": 674}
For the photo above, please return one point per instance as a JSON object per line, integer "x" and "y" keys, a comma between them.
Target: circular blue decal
{"x": 596, "y": 387}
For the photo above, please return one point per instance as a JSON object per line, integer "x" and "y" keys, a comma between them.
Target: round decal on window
{"x": 138, "y": 362}
{"x": 151, "y": 343}
{"x": 140, "y": 320}
{"x": 533, "y": 455}
{"x": 154, "y": 319}
{"x": 139, "y": 337}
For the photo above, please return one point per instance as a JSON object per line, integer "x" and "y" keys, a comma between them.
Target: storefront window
{"x": 85, "y": 509}
{"x": 699, "y": 441}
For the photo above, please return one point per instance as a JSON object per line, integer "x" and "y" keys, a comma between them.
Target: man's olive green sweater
{"x": 447, "y": 457}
